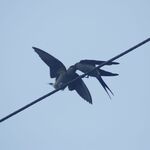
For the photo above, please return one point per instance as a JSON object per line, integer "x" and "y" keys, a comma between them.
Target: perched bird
{"x": 63, "y": 75}
{"x": 88, "y": 65}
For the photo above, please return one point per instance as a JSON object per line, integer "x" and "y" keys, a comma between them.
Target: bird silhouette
{"x": 63, "y": 75}
{"x": 88, "y": 65}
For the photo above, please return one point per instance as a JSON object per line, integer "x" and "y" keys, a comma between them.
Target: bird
{"x": 88, "y": 65}
{"x": 63, "y": 75}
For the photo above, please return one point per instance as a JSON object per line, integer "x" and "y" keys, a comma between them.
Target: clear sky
{"x": 71, "y": 31}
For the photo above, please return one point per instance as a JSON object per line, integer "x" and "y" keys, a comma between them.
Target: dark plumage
{"x": 88, "y": 65}
{"x": 80, "y": 88}
{"x": 63, "y": 75}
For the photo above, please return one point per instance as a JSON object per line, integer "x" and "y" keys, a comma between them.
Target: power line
{"x": 81, "y": 76}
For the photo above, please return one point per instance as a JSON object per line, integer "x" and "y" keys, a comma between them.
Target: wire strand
{"x": 81, "y": 76}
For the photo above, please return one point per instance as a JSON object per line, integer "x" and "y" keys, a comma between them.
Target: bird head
{"x": 72, "y": 68}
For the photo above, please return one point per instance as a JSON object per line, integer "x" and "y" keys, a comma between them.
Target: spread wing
{"x": 97, "y": 62}
{"x": 80, "y": 88}
{"x": 56, "y": 66}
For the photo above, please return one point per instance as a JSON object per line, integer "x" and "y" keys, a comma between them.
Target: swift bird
{"x": 63, "y": 75}
{"x": 88, "y": 65}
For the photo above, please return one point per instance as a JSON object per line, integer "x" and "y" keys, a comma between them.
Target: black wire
{"x": 81, "y": 76}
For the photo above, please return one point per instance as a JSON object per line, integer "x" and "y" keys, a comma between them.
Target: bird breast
{"x": 60, "y": 81}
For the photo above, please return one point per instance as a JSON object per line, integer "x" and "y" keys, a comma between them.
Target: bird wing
{"x": 107, "y": 73}
{"x": 80, "y": 88}
{"x": 96, "y": 62}
{"x": 56, "y": 66}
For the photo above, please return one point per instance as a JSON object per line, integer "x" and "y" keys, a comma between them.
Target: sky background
{"x": 71, "y": 31}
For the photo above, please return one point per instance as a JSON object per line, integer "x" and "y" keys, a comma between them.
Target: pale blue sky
{"x": 71, "y": 31}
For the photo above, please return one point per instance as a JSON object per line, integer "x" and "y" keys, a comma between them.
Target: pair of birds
{"x": 63, "y": 75}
